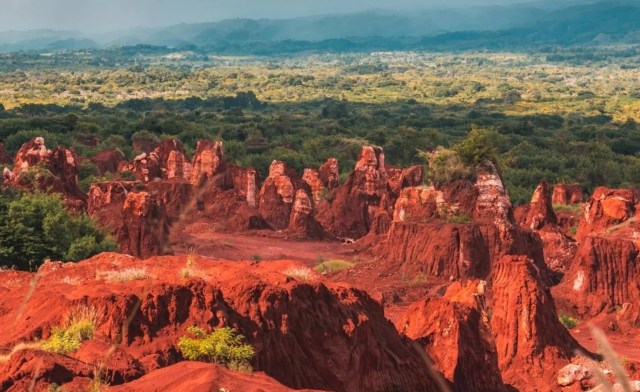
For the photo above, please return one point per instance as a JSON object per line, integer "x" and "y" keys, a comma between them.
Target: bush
{"x": 36, "y": 226}
{"x": 445, "y": 166}
{"x": 224, "y": 346}
{"x": 80, "y": 327}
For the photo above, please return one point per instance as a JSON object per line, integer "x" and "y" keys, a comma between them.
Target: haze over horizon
{"x": 92, "y": 16}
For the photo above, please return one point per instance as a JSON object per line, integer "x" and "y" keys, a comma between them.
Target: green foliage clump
{"x": 36, "y": 226}
{"x": 224, "y": 346}
{"x": 446, "y": 166}
{"x": 568, "y": 321}
{"x": 80, "y": 327}
{"x": 478, "y": 147}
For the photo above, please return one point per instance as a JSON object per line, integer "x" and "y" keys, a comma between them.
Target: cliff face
{"x": 604, "y": 274}
{"x": 454, "y": 331}
{"x": 531, "y": 343}
{"x": 604, "y": 209}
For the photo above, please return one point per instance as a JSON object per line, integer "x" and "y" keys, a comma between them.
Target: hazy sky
{"x": 109, "y": 15}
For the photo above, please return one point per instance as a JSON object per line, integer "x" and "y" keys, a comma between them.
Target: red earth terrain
{"x": 440, "y": 288}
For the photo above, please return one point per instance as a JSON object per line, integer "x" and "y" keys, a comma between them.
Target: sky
{"x": 113, "y": 15}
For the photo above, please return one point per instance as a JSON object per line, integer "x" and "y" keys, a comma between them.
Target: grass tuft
{"x": 303, "y": 274}
{"x": 334, "y": 266}
{"x": 126, "y": 275}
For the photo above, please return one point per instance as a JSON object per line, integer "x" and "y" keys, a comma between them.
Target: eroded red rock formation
{"x": 302, "y": 223}
{"x": 340, "y": 330}
{"x": 108, "y": 161}
{"x": 36, "y": 167}
{"x": 173, "y": 162}
{"x": 604, "y": 274}
{"x": 455, "y": 332}
{"x": 559, "y": 249}
{"x": 207, "y": 159}
{"x": 277, "y": 195}
{"x": 138, "y": 219}
{"x": 567, "y": 194}
{"x": 351, "y": 209}
{"x": 605, "y": 208}
{"x": 532, "y": 345}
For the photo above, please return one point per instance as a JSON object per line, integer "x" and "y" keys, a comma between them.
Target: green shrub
{"x": 568, "y": 321}
{"x": 445, "y": 166}
{"x": 224, "y": 346}
{"x": 80, "y": 327}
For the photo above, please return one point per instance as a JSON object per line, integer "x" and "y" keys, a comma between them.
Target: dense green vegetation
{"x": 573, "y": 120}
{"x": 35, "y": 227}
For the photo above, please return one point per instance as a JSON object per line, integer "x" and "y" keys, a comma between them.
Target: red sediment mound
{"x": 532, "y": 343}
{"x": 199, "y": 376}
{"x": 605, "y": 274}
{"x": 605, "y": 208}
{"x": 35, "y": 370}
{"x": 310, "y": 334}
{"x": 567, "y": 194}
{"x": 108, "y": 161}
{"x": 330, "y": 173}
{"x": 540, "y": 213}
{"x": 173, "y": 162}
{"x": 455, "y": 333}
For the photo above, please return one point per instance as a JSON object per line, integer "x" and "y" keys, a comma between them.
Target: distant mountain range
{"x": 540, "y": 23}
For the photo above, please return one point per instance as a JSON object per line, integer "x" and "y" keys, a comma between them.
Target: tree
{"x": 478, "y": 147}
{"x": 35, "y": 227}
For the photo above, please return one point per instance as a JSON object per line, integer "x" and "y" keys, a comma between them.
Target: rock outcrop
{"x": 350, "y": 211}
{"x": 604, "y": 209}
{"x": 277, "y": 195}
{"x": 37, "y": 167}
{"x": 330, "y": 173}
{"x": 138, "y": 219}
{"x": 302, "y": 223}
{"x": 605, "y": 274}
{"x": 173, "y": 162}
{"x": 207, "y": 159}
{"x": 539, "y": 216}
{"x": 532, "y": 345}
{"x": 306, "y": 334}
{"x": 455, "y": 332}
{"x": 458, "y": 230}
{"x": 567, "y": 194}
